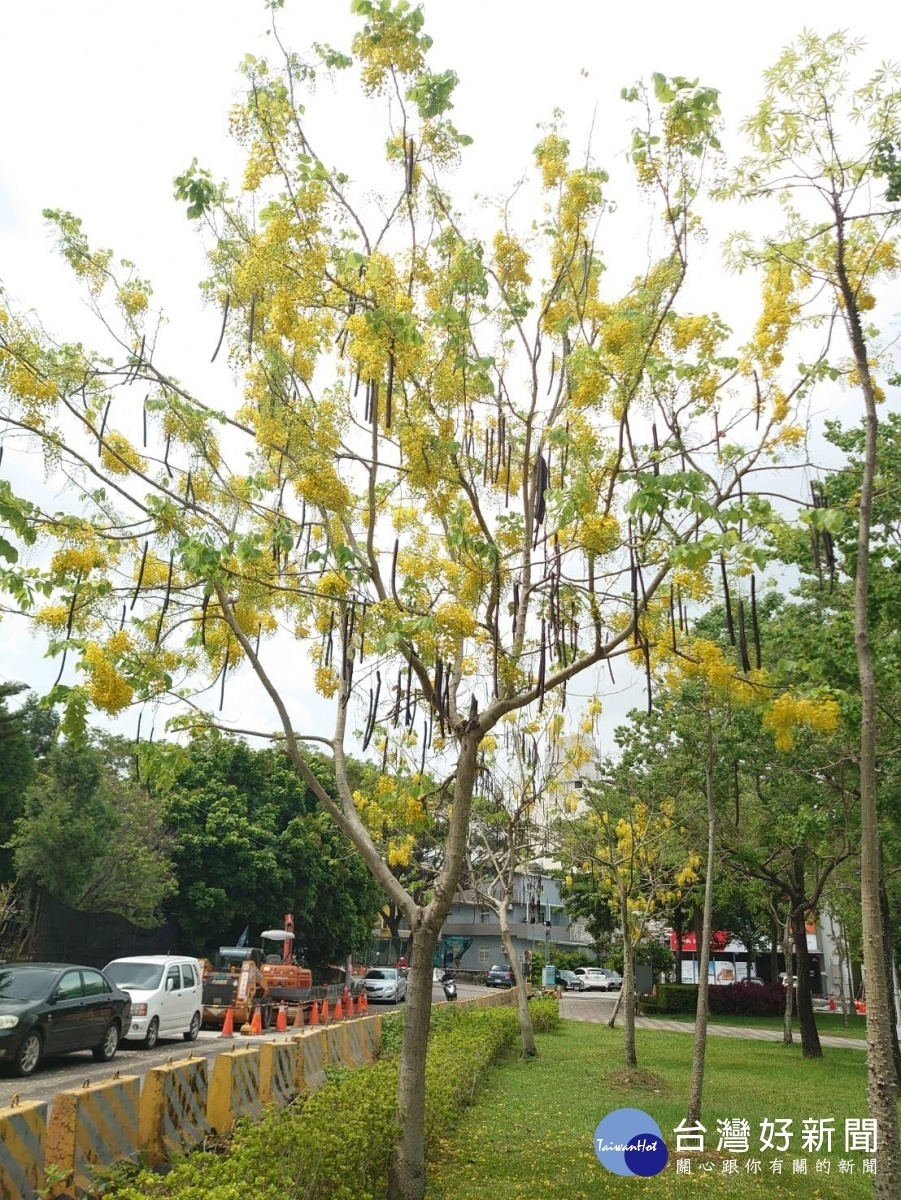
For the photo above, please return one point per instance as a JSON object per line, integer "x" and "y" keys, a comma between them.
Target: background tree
{"x": 838, "y": 240}
{"x": 17, "y": 771}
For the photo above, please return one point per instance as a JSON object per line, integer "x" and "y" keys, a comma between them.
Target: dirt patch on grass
{"x": 636, "y": 1080}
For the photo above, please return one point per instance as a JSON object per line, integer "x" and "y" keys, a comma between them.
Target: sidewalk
{"x": 599, "y": 1008}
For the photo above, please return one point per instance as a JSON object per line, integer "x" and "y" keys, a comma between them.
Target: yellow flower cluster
{"x": 388, "y": 43}
{"x": 75, "y": 560}
{"x": 600, "y": 534}
{"x": 552, "y": 157}
{"x": 107, "y": 688}
{"x": 119, "y": 456}
{"x": 511, "y": 261}
{"x": 155, "y": 573}
{"x": 52, "y": 616}
{"x": 780, "y": 307}
{"x": 788, "y": 712}
{"x": 325, "y": 680}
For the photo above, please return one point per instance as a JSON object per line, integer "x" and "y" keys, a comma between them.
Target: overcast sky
{"x": 105, "y": 101}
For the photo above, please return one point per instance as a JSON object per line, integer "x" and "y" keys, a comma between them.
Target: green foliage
{"x": 251, "y": 843}
{"x": 545, "y": 1012}
{"x": 334, "y": 1144}
{"x": 16, "y": 769}
{"x": 92, "y": 835}
{"x": 677, "y": 998}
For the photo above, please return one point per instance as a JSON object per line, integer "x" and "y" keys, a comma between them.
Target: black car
{"x": 569, "y": 982}
{"x": 54, "y": 1008}
{"x": 500, "y": 977}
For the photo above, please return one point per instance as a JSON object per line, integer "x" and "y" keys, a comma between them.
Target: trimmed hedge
{"x": 545, "y": 1012}
{"x": 732, "y": 1000}
{"x": 334, "y": 1144}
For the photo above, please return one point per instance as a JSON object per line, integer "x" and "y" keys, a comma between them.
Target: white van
{"x": 166, "y": 996}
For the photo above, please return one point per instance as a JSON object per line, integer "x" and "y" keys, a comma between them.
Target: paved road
{"x": 71, "y": 1070}
{"x": 598, "y": 1006}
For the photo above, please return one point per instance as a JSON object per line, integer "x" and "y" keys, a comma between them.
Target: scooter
{"x": 450, "y": 989}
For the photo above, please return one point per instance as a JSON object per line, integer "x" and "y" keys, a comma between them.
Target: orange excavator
{"x": 244, "y": 978}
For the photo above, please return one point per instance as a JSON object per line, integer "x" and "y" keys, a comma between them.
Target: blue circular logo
{"x": 629, "y": 1142}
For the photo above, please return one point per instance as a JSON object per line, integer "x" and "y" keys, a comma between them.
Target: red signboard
{"x": 718, "y": 942}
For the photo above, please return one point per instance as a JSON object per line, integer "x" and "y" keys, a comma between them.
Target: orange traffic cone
{"x": 256, "y": 1023}
{"x": 281, "y": 1021}
{"x": 326, "y": 1015}
{"x": 358, "y": 1007}
{"x": 228, "y": 1025}
{"x": 338, "y": 1014}
{"x": 314, "y": 1014}
{"x": 365, "y": 1003}
{"x": 298, "y": 1016}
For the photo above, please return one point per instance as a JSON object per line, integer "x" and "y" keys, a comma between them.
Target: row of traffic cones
{"x": 317, "y": 1016}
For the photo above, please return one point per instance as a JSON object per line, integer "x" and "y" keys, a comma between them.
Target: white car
{"x": 385, "y": 983}
{"x": 166, "y": 996}
{"x": 593, "y": 979}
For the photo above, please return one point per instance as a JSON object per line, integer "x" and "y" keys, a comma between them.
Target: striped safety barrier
{"x": 278, "y": 1072}
{"x": 234, "y": 1089}
{"x": 336, "y": 1036}
{"x": 95, "y": 1125}
{"x": 314, "y": 1056}
{"x": 23, "y": 1133}
{"x": 173, "y": 1116}
{"x": 371, "y": 1033}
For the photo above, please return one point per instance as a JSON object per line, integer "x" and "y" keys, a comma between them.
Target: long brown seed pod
{"x": 159, "y": 627}
{"x": 103, "y": 428}
{"x": 755, "y": 627}
{"x": 140, "y": 574}
{"x": 389, "y": 390}
{"x": 225, "y": 308}
{"x": 730, "y": 625}
{"x": 742, "y": 639}
{"x": 224, "y": 673}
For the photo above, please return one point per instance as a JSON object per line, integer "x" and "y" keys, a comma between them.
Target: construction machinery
{"x": 243, "y": 978}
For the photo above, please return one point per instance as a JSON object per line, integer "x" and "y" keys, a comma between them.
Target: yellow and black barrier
{"x": 173, "y": 1116}
{"x": 93, "y": 1126}
{"x": 234, "y": 1089}
{"x": 23, "y": 1134}
{"x": 313, "y": 1057}
{"x": 278, "y": 1072}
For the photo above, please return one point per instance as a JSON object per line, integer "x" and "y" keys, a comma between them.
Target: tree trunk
{"x": 627, "y": 989}
{"x": 810, "y": 1038}
{"x": 888, "y": 938}
{"x": 787, "y": 1038}
{"x": 678, "y": 926}
{"x": 406, "y": 1168}
{"x": 700, "y": 1042}
{"x": 526, "y": 1033}
{"x": 611, "y": 1024}
{"x": 840, "y": 948}
{"x": 882, "y": 1082}
{"x": 774, "y": 951}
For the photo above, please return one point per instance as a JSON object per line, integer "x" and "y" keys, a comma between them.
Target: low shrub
{"x": 335, "y": 1143}
{"x": 677, "y": 998}
{"x": 747, "y": 1000}
{"x": 545, "y": 1012}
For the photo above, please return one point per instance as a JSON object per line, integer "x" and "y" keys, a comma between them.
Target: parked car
{"x": 570, "y": 982}
{"x": 385, "y": 983}
{"x": 500, "y": 977}
{"x": 166, "y": 996}
{"x": 614, "y": 980}
{"x": 593, "y": 979}
{"x": 56, "y": 1008}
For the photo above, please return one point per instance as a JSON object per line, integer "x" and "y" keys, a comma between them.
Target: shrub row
{"x": 335, "y": 1144}
{"x": 734, "y": 1000}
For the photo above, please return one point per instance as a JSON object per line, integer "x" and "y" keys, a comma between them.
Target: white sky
{"x": 105, "y": 101}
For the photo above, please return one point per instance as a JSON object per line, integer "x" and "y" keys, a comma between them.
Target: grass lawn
{"x": 827, "y": 1023}
{"x": 529, "y": 1135}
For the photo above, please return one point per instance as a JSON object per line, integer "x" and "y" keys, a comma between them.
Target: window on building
{"x": 484, "y": 954}
{"x": 485, "y": 915}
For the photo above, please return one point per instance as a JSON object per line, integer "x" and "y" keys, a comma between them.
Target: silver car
{"x": 385, "y": 983}
{"x": 593, "y": 979}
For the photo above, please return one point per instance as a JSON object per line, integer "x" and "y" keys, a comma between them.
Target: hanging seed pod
{"x": 672, "y": 618}
{"x": 140, "y": 574}
{"x": 385, "y": 756}
{"x": 407, "y": 694}
{"x": 755, "y": 627}
{"x": 225, "y": 308}
{"x": 542, "y": 666}
{"x": 758, "y": 403}
{"x": 329, "y": 641}
{"x": 399, "y": 691}
{"x": 730, "y": 626}
{"x": 166, "y": 457}
{"x": 256, "y": 649}
{"x": 344, "y": 641}
{"x": 540, "y": 486}
{"x": 203, "y": 607}
{"x": 224, "y": 673}
{"x": 425, "y": 734}
{"x": 389, "y": 390}
{"x": 436, "y": 686}
{"x": 103, "y": 427}
{"x": 122, "y": 618}
{"x": 515, "y": 606}
{"x": 410, "y": 165}
{"x": 394, "y": 573}
{"x": 159, "y": 627}
{"x": 508, "y": 475}
{"x": 373, "y": 710}
{"x": 445, "y": 703}
{"x": 610, "y": 670}
{"x": 656, "y": 450}
{"x": 742, "y": 639}
{"x": 645, "y": 645}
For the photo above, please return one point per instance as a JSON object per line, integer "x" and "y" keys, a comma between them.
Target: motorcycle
{"x": 450, "y": 988}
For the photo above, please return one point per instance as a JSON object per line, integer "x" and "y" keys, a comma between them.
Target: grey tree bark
{"x": 526, "y": 1032}
{"x": 700, "y": 1039}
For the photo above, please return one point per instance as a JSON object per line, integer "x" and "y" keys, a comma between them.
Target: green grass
{"x": 828, "y": 1024}
{"x": 529, "y": 1134}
